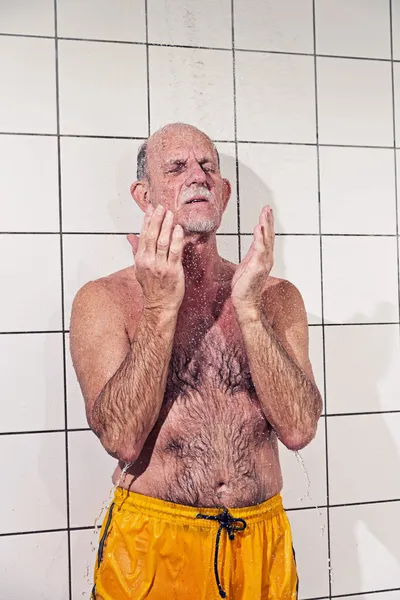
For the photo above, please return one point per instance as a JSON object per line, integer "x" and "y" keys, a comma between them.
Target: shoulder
{"x": 115, "y": 294}
{"x": 282, "y": 296}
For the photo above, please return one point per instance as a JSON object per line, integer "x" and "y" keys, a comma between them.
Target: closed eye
{"x": 208, "y": 167}
{"x": 177, "y": 166}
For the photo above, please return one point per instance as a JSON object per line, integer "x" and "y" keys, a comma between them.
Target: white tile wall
{"x": 27, "y": 18}
{"x": 227, "y": 156}
{"x": 396, "y": 28}
{"x": 354, "y": 182}
{"x": 122, "y": 20}
{"x": 360, "y": 279}
{"x": 281, "y": 25}
{"x": 96, "y": 175}
{"x": 34, "y": 401}
{"x": 354, "y": 102}
{"x": 29, "y": 183}
{"x": 190, "y": 23}
{"x": 275, "y": 97}
{"x": 378, "y": 596}
{"x": 31, "y": 283}
{"x": 100, "y": 92}
{"x": 345, "y": 28}
{"x": 193, "y": 86}
{"x": 33, "y": 465}
{"x": 34, "y": 564}
{"x": 260, "y": 104}
{"x": 83, "y": 555}
{"x": 352, "y": 388}
{"x": 365, "y": 554}
{"x": 285, "y": 177}
{"x": 28, "y": 82}
{"x": 310, "y": 540}
{"x": 85, "y": 507}
{"x": 363, "y": 443}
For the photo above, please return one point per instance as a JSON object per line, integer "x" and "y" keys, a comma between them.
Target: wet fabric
{"x": 159, "y": 550}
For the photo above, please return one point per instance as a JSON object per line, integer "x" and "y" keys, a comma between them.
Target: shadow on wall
{"x": 351, "y": 527}
{"x": 364, "y": 546}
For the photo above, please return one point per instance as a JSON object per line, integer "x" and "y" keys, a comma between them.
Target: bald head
{"x": 160, "y": 139}
{"x": 179, "y": 164}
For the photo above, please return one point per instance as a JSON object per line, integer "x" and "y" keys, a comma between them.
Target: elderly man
{"x": 192, "y": 368}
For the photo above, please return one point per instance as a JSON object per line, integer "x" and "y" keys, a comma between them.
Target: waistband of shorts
{"x": 172, "y": 512}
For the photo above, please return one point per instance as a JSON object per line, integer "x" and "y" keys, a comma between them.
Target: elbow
{"x": 122, "y": 452}
{"x": 297, "y": 440}
{"x": 127, "y": 453}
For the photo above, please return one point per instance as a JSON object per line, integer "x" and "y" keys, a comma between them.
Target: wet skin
{"x": 212, "y": 445}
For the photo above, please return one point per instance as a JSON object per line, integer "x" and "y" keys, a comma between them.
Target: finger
{"x": 153, "y": 230}
{"x": 134, "y": 242}
{"x": 146, "y": 222}
{"x": 164, "y": 238}
{"x": 147, "y": 218}
{"x": 267, "y": 221}
{"x": 176, "y": 247}
{"x": 259, "y": 243}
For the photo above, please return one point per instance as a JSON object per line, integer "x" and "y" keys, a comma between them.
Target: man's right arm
{"x": 123, "y": 382}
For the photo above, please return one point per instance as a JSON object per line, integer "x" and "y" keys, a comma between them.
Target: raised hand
{"x": 158, "y": 260}
{"x": 249, "y": 279}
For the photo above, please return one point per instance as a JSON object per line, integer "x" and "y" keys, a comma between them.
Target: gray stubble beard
{"x": 201, "y": 226}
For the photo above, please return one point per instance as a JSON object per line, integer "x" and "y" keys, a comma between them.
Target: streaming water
{"x": 307, "y": 495}
{"x": 94, "y": 542}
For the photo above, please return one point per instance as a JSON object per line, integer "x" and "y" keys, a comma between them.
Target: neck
{"x": 203, "y": 269}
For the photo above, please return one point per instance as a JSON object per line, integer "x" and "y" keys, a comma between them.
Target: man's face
{"x": 184, "y": 176}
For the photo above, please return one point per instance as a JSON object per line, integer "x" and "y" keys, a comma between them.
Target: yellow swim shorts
{"x": 164, "y": 551}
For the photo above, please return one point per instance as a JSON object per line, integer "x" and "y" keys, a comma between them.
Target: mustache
{"x": 195, "y": 192}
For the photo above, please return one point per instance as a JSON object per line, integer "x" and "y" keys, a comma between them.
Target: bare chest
{"x": 211, "y": 429}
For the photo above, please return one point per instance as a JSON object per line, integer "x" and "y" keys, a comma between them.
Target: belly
{"x": 217, "y": 453}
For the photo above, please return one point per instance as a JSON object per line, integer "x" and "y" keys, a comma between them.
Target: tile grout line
{"x": 357, "y": 594}
{"x": 62, "y": 305}
{"x": 322, "y": 305}
{"x": 369, "y": 324}
{"x": 225, "y": 233}
{"x": 222, "y": 141}
{"x": 395, "y": 155}
{"x": 146, "y": 14}
{"x": 323, "y": 415}
{"x": 235, "y": 131}
{"x": 197, "y": 47}
{"x": 294, "y": 509}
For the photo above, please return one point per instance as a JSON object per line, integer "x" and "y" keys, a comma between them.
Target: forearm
{"x": 127, "y": 408}
{"x": 290, "y": 400}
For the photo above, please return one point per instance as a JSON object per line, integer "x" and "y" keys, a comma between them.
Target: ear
{"x": 140, "y": 192}
{"x": 226, "y": 192}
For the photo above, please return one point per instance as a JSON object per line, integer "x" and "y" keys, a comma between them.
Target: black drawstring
{"x": 226, "y": 521}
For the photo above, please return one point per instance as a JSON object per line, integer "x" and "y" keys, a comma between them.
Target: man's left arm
{"x": 280, "y": 366}
{"x": 278, "y": 355}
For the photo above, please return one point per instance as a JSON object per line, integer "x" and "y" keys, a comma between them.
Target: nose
{"x": 196, "y": 174}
